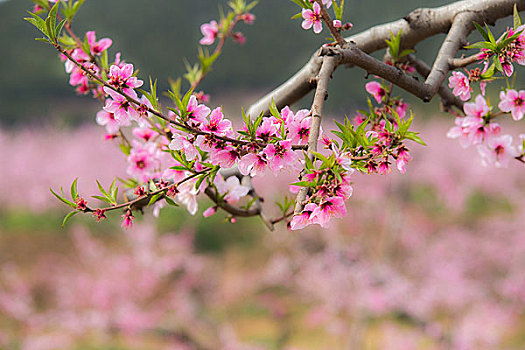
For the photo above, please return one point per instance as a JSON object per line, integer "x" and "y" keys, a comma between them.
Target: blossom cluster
{"x": 477, "y": 126}
{"x": 377, "y": 139}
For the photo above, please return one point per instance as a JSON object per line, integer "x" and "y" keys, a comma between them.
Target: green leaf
{"x": 321, "y": 157}
{"x": 170, "y": 201}
{"x": 517, "y": 18}
{"x": 38, "y": 22}
{"x": 67, "y": 40}
{"x": 483, "y": 45}
{"x": 68, "y": 216}
{"x": 308, "y": 162}
{"x": 103, "y": 199}
{"x": 497, "y": 64}
{"x": 155, "y": 198}
{"x": 44, "y": 40}
{"x": 73, "y": 190}
{"x": 199, "y": 181}
{"x": 62, "y": 199}
{"x": 490, "y": 72}
{"x": 273, "y": 110}
{"x": 489, "y": 33}
{"x": 406, "y": 52}
{"x": 414, "y": 137}
{"x": 304, "y": 184}
{"x": 53, "y": 20}
{"x": 102, "y": 190}
{"x": 126, "y": 149}
{"x": 303, "y": 4}
{"x": 482, "y": 31}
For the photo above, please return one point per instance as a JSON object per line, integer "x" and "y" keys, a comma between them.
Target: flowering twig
{"x": 321, "y": 94}
{"x": 159, "y": 114}
{"x": 336, "y": 34}
{"x": 133, "y": 203}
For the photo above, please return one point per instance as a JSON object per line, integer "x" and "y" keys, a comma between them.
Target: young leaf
{"x": 482, "y": 31}
{"x": 62, "y": 199}
{"x": 517, "y": 18}
{"x": 155, "y": 198}
{"x": 74, "y": 192}
{"x": 69, "y": 216}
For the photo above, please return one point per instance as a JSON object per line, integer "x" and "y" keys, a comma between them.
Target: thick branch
{"x": 419, "y": 25}
{"x": 447, "y": 97}
{"x": 455, "y": 40}
{"x": 354, "y": 56}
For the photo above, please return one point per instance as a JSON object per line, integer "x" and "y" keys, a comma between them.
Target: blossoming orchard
{"x": 187, "y": 148}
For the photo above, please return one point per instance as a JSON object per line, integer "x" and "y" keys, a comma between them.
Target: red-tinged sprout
{"x": 99, "y": 214}
{"x": 81, "y": 204}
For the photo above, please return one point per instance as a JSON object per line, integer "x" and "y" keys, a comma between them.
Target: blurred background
{"x": 432, "y": 259}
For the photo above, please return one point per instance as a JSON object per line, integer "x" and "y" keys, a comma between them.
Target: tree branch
{"x": 447, "y": 97}
{"x": 321, "y": 94}
{"x": 455, "y": 40}
{"x": 419, "y": 25}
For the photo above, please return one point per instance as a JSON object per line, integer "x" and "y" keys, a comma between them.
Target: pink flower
{"x": 180, "y": 143}
{"x": 313, "y": 18}
{"x": 327, "y": 3}
{"x": 142, "y": 162}
{"x": 333, "y": 206}
{"x": 197, "y": 113}
{"x": 337, "y": 23}
{"x": 302, "y": 220}
{"x": 121, "y": 107}
{"x": 248, "y": 18}
{"x": 460, "y": 85}
{"x": 376, "y": 90}
{"x": 108, "y": 119}
{"x": 225, "y": 157}
{"x": 384, "y": 167}
{"x": 145, "y": 134}
{"x": 97, "y": 47}
{"x": 478, "y": 109}
{"x": 280, "y": 156}
{"x": 122, "y": 78}
{"x": 239, "y": 38}
{"x": 210, "y": 32}
{"x": 513, "y": 101}
{"x": 266, "y": 130}
{"x": 401, "y": 108}
{"x": 472, "y": 131}
{"x": 403, "y": 157}
{"x": 187, "y": 196}
{"x": 253, "y": 164}
{"x": 498, "y": 151}
{"x": 128, "y": 219}
{"x": 232, "y": 188}
{"x": 209, "y": 212}
{"x": 79, "y": 55}
{"x": 507, "y": 66}
{"x": 300, "y": 129}
{"x": 217, "y": 124}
